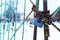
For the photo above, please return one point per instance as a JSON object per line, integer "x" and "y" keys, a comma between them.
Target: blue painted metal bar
{"x": 8, "y": 30}
{"x": 15, "y": 19}
{"x": 55, "y": 12}
{"x": 1, "y": 23}
{"x": 9, "y": 23}
{"x": 56, "y": 15}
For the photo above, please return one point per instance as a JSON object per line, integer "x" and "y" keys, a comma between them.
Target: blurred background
{"x": 12, "y": 14}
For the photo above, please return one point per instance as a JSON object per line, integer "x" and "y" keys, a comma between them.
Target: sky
{"x": 52, "y": 6}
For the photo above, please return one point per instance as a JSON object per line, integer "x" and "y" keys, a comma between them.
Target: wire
{"x": 55, "y": 26}
{"x": 28, "y": 15}
{"x": 31, "y": 11}
{"x": 32, "y": 2}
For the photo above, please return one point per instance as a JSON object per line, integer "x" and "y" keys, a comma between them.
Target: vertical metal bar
{"x": 0, "y": 22}
{"x": 46, "y": 28}
{"x": 35, "y": 27}
{"x": 9, "y": 27}
{"x": 37, "y": 5}
{"x": 9, "y": 23}
{"x": 3, "y": 30}
{"x": 0, "y": 28}
{"x": 35, "y": 33}
{"x": 8, "y": 30}
{"x": 24, "y": 19}
{"x": 15, "y": 19}
{"x": 15, "y": 26}
{"x": 44, "y": 5}
{"x": 4, "y": 21}
{"x": 0, "y": 32}
{"x": 46, "y": 32}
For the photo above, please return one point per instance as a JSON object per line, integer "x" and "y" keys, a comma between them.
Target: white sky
{"x": 52, "y": 6}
